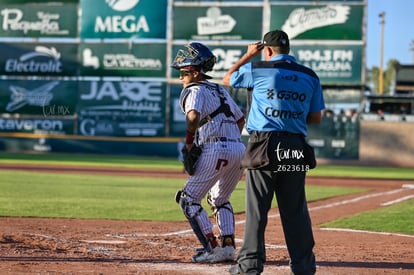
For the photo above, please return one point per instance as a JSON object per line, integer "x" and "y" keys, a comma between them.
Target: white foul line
{"x": 397, "y": 200}
{"x": 367, "y": 232}
{"x": 183, "y": 232}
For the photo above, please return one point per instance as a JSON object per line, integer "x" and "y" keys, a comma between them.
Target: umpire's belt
{"x": 222, "y": 139}
{"x": 285, "y": 134}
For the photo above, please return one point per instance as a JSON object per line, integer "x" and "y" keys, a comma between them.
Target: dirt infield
{"x": 77, "y": 246}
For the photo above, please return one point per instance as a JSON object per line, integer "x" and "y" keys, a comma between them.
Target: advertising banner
{"x": 45, "y": 125}
{"x": 178, "y": 125}
{"x": 39, "y": 20}
{"x": 121, "y": 108}
{"x": 43, "y": 59}
{"x": 219, "y": 1}
{"x": 334, "y": 64}
{"x": 319, "y": 1}
{"x": 217, "y": 23}
{"x": 123, "y": 59}
{"x": 131, "y": 19}
{"x": 38, "y": 97}
{"x": 319, "y": 22}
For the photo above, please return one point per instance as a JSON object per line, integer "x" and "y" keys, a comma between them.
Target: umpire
{"x": 286, "y": 96}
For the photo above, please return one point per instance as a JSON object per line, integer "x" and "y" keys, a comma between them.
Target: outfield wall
{"x": 380, "y": 143}
{"x": 387, "y": 142}
{"x": 97, "y": 80}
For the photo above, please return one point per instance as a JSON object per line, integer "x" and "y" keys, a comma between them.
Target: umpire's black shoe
{"x": 234, "y": 270}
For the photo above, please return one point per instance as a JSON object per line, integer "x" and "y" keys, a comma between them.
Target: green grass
{"x": 173, "y": 163}
{"x": 30, "y": 194}
{"x": 108, "y": 197}
{"x": 398, "y": 218}
{"x": 86, "y": 196}
{"x": 375, "y": 172}
{"x": 91, "y": 160}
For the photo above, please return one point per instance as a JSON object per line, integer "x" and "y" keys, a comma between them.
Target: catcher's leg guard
{"x": 224, "y": 216}
{"x": 192, "y": 212}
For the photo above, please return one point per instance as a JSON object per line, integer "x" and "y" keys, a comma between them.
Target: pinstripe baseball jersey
{"x": 204, "y": 97}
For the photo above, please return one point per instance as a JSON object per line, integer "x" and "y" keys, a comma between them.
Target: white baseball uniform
{"x": 218, "y": 169}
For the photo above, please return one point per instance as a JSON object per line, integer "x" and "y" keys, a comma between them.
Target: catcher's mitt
{"x": 190, "y": 158}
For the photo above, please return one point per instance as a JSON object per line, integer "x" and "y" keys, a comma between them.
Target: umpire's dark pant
{"x": 289, "y": 188}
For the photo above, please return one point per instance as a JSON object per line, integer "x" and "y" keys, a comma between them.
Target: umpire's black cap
{"x": 276, "y": 38}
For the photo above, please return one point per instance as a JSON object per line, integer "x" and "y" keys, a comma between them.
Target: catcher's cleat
{"x": 215, "y": 256}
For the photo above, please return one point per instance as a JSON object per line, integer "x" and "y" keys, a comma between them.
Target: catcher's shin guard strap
{"x": 225, "y": 219}
{"x": 194, "y": 222}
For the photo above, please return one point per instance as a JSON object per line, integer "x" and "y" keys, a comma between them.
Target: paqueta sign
{"x": 39, "y": 20}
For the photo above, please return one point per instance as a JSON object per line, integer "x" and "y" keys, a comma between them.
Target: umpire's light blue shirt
{"x": 284, "y": 92}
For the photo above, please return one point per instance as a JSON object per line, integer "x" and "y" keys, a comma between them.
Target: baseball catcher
{"x": 211, "y": 155}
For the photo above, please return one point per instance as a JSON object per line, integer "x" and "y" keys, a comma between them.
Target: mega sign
{"x": 123, "y": 19}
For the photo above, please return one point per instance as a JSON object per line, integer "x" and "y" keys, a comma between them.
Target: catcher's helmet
{"x": 195, "y": 54}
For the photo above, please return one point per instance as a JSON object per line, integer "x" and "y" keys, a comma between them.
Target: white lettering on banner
{"x": 29, "y": 124}
{"x": 301, "y": 20}
{"x": 325, "y": 55}
{"x": 226, "y": 58}
{"x": 117, "y": 24}
{"x": 329, "y": 66}
{"x": 135, "y": 91}
{"x": 47, "y": 24}
{"x": 215, "y": 22}
{"x": 327, "y": 60}
{"x": 26, "y": 63}
{"x": 90, "y": 127}
{"x": 129, "y": 61}
{"x": 40, "y": 96}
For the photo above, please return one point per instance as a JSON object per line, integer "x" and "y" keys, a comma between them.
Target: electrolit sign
{"x": 38, "y": 59}
{"x": 123, "y": 19}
